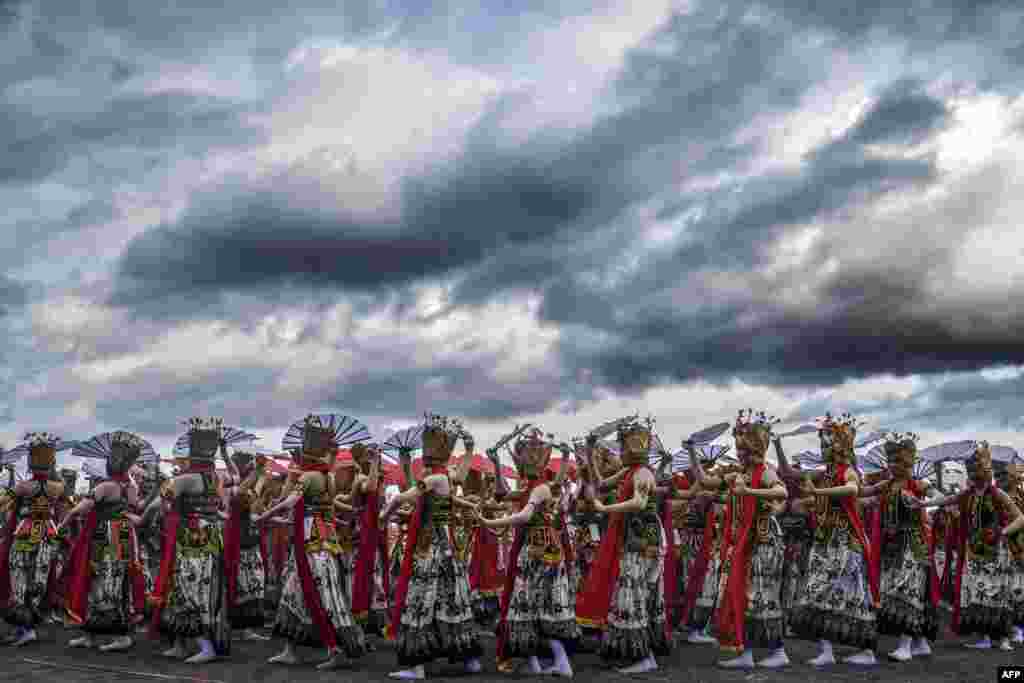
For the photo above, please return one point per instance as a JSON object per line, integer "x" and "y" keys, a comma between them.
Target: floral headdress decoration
{"x": 204, "y": 435}
{"x": 838, "y": 436}
{"x": 753, "y": 432}
{"x": 440, "y": 433}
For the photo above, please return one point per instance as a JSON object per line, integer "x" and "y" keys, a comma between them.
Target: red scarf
{"x": 733, "y": 608}
{"x": 595, "y": 599}
{"x": 411, "y": 535}
{"x": 165, "y": 579}
{"x": 78, "y": 577}
{"x": 372, "y": 545}
{"x": 233, "y": 549}
{"x": 699, "y": 567}
{"x": 310, "y": 594}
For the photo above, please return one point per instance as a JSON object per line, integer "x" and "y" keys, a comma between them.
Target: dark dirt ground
{"x": 52, "y": 662}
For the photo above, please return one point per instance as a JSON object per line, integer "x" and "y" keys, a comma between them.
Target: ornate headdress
{"x": 838, "y": 437}
{"x": 318, "y": 437}
{"x": 439, "y": 436}
{"x": 125, "y": 449}
{"x": 531, "y": 453}
{"x": 901, "y": 449}
{"x": 980, "y": 461}
{"x": 635, "y": 441}
{"x": 753, "y": 433}
{"x": 42, "y": 451}
{"x": 204, "y": 436}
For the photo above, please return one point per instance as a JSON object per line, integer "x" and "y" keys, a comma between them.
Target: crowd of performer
{"x": 597, "y": 540}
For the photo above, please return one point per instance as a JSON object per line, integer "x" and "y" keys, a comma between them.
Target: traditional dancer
{"x": 105, "y": 583}
{"x": 987, "y": 517}
{"x": 750, "y": 611}
{"x": 839, "y": 598}
{"x": 538, "y": 613}
{"x": 314, "y": 607}
{"x": 700, "y": 556}
{"x": 487, "y": 565}
{"x": 797, "y": 524}
{"x": 432, "y": 612}
{"x": 909, "y": 587}
{"x": 30, "y": 545}
{"x": 624, "y": 594}
{"x": 191, "y": 597}
{"x": 243, "y": 561}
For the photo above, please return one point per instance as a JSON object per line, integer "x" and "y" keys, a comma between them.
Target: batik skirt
{"x": 541, "y": 606}
{"x": 32, "y": 566}
{"x": 835, "y": 603}
{"x": 636, "y": 618}
{"x": 437, "y": 620}
{"x": 250, "y": 590}
{"x": 197, "y": 606}
{"x": 906, "y": 607}
{"x": 294, "y": 620}
{"x": 986, "y": 594}
{"x": 764, "y": 626}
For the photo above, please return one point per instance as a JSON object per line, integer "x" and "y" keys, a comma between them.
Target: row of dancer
{"x": 757, "y": 553}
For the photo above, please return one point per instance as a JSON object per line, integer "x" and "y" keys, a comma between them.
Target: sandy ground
{"x": 48, "y": 661}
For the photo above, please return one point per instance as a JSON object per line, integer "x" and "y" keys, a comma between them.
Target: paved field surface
{"x": 47, "y": 661}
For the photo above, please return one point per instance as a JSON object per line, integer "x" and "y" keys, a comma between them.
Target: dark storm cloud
{"x": 260, "y": 243}
{"x": 530, "y": 206}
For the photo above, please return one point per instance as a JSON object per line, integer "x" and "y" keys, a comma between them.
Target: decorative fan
{"x": 98, "y": 448}
{"x": 809, "y": 459}
{"x": 874, "y": 460}
{"x": 230, "y": 435}
{"x": 347, "y": 431}
{"x": 952, "y": 450}
{"x": 714, "y": 452}
{"x": 410, "y": 438}
{"x": 1004, "y": 454}
{"x": 923, "y": 469}
{"x": 799, "y": 431}
{"x": 871, "y": 438}
{"x": 656, "y": 451}
{"x": 93, "y": 471}
{"x": 709, "y": 434}
{"x": 21, "y": 450}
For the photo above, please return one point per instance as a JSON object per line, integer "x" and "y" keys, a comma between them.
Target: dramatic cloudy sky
{"x": 559, "y": 213}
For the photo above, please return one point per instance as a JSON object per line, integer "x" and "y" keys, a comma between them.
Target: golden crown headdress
{"x": 753, "y": 430}
{"x": 440, "y": 434}
{"x": 898, "y": 444}
{"x": 840, "y": 432}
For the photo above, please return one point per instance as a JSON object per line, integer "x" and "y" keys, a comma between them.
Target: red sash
{"x": 411, "y": 535}
{"x": 595, "y": 599}
{"x": 165, "y": 580}
{"x": 78, "y": 575}
{"x": 733, "y": 607}
{"x": 233, "y": 549}
{"x": 370, "y": 549}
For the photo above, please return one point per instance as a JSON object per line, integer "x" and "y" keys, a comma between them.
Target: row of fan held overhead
{"x": 116, "y": 452}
